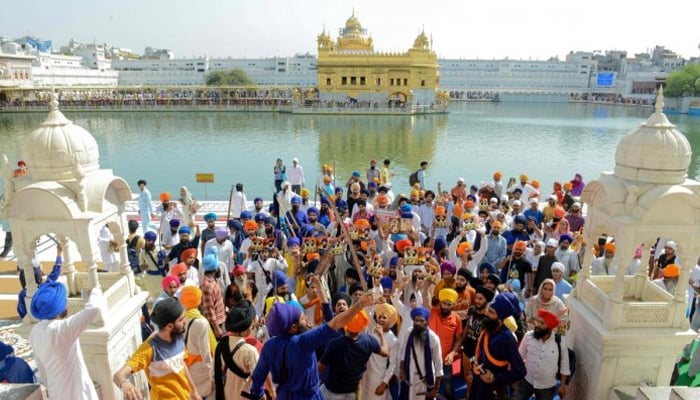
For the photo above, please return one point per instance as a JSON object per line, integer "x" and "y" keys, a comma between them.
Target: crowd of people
{"x": 371, "y": 295}
{"x": 153, "y": 97}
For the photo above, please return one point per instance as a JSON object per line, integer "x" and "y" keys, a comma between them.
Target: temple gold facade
{"x": 350, "y": 71}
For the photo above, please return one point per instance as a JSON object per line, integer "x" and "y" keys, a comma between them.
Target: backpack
{"x": 413, "y": 178}
{"x": 132, "y": 254}
{"x": 572, "y": 359}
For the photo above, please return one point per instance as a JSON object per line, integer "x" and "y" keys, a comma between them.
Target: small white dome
{"x": 655, "y": 152}
{"x": 59, "y": 149}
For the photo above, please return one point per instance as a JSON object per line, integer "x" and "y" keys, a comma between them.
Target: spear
{"x": 346, "y": 237}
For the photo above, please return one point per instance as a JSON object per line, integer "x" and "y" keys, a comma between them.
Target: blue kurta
{"x": 503, "y": 347}
{"x": 302, "y": 372}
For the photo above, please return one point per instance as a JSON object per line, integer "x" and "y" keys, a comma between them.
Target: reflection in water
{"x": 350, "y": 142}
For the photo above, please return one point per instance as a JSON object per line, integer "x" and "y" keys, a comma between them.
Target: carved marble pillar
{"x": 68, "y": 267}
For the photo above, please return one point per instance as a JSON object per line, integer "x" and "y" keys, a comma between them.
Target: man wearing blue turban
{"x": 55, "y": 342}
{"x": 421, "y": 358}
{"x": 209, "y": 232}
{"x": 496, "y": 363}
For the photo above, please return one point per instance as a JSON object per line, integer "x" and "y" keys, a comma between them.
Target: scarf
{"x": 318, "y": 311}
{"x": 193, "y": 313}
{"x": 429, "y": 379}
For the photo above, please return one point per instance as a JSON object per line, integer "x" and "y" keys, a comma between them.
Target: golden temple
{"x": 351, "y": 72}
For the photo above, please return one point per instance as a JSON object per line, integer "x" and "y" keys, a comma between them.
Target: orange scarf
{"x": 484, "y": 338}
{"x": 318, "y": 311}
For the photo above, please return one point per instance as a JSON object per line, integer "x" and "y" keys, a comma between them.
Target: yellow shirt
{"x": 164, "y": 364}
{"x": 384, "y": 175}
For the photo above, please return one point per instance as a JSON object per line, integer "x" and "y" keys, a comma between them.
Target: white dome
{"x": 654, "y": 152}
{"x": 59, "y": 149}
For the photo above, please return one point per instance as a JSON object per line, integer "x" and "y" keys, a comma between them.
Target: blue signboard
{"x": 606, "y": 79}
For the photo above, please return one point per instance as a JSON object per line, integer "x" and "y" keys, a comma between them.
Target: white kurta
{"x": 245, "y": 358}
{"x": 415, "y": 384}
{"x": 202, "y": 372}
{"x": 380, "y": 369}
{"x": 110, "y": 259}
{"x": 57, "y": 352}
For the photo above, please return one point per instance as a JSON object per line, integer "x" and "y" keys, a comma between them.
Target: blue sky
{"x": 460, "y": 28}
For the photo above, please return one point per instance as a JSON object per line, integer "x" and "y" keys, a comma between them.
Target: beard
{"x": 490, "y": 325}
{"x": 176, "y": 334}
{"x": 460, "y": 289}
{"x": 149, "y": 246}
{"x": 445, "y": 312}
{"x": 539, "y": 333}
{"x": 420, "y": 332}
{"x": 392, "y": 274}
{"x": 671, "y": 285}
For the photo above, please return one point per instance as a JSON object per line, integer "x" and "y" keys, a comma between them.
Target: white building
{"x": 50, "y": 69}
{"x": 519, "y": 75}
{"x": 15, "y": 68}
{"x": 59, "y": 70}
{"x": 299, "y": 70}
{"x": 166, "y": 72}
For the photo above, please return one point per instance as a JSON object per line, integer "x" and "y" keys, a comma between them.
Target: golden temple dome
{"x": 353, "y": 23}
{"x": 422, "y": 41}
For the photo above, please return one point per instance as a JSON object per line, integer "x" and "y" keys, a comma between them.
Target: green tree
{"x": 229, "y": 77}
{"x": 683, "y": 82}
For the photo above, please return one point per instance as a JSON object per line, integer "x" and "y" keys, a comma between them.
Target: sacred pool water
{"x": 547, "y": 141}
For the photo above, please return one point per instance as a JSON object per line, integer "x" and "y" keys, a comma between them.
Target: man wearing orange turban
{"x": 605, "y": 265}
{"x": 498, "y": 183}
{"x": 346, "y": 357}
{"x": 669, "y": 281}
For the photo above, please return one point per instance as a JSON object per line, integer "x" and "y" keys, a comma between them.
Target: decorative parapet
{"x": 655, "y": 309}
{"x": 115, "y": 288}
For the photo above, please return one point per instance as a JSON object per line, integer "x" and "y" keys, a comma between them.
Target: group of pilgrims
{"x": 371, "y": 295}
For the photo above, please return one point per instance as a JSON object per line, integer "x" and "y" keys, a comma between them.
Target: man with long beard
{"x": 496, "y": 363}
{"x": 162, "y": 357}
{"x": 448, "y": 327}
{"x": 544, "y": 358}
{"x": 421, "y": 357}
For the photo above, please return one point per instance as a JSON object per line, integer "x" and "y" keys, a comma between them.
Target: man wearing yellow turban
{"x": 199, "y": 341}
{"x": 447, "y": 325}
{"x": 380, "y": 369}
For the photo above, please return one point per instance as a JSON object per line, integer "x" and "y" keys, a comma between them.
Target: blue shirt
{"x": 537, "y": 215}
{"x": 562, "y": 287}
{"x": 145, "y": 202}
{"x": 15, "y": 370}
{"x": 503, "y": 347}
{"x": 497, "y": 249}
{"x": 346, "y": 359}
{"x": 302, "y": 372}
